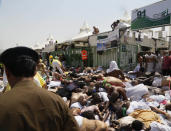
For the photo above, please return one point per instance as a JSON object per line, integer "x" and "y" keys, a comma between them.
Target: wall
{"x": 105, "y": 58}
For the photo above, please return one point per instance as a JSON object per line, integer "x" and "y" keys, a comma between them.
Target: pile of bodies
{"x": 109, "y": 100}
{"x": 100, "y": 101}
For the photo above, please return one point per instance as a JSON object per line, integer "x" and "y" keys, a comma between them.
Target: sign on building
{"x": 154, "y": 15}
{"x": 107, "y": 41}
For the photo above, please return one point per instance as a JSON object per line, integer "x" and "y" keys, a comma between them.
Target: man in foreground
{"x": 27, "y": 107}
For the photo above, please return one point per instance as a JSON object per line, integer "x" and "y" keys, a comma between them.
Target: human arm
{"x": 99, "y": 113}
{"x": 155, "y": 109}
{"x": 122, "y": 92}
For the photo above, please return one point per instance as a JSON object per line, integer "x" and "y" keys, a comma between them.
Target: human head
{"x": 50, "y": 57}
{"x": 56, "y": 57}
{"x": 134, "y": 82}
{"x": 101, "y": 106}
{"x": 88, "y": 115}
{"x": 82, "y": 100}
{"x": 19, "y": 62}
{"x": 165, "y": 53}
{"x": 92, "y": 84}
{"x": 40, "y": 61}
{"x": 113, "y": 65}
{"x": 137, "y": 125}
{"x": 114, "y": 96}
{"x": 168, "y": 107}
{"x": 96, "y": 98}
{"x": 149, "y": 53}
{"x": 90, "y": 91}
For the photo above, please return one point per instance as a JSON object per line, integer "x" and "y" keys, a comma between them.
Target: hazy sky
{"x": 28, "y": 22}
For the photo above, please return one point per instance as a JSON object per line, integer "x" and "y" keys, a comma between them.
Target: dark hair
{"x": 101, "y": 106}
{"x": 137, "y": 125}
{"x": 114, "y": 96}
{"x": 20, "y": 61}
{"x": 96, "y": 99}
{"x": 88, "y": 115}
{"x": 168, "y": 107}
{"x": 90, "y": 91}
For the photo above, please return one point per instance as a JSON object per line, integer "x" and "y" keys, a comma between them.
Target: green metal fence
{"x": 127, "y": 59}
{"x": 73, "y": 56}
{"x": 125, "y": 55}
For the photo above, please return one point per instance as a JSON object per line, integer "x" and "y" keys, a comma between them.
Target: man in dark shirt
{"x": 28, "y": 107}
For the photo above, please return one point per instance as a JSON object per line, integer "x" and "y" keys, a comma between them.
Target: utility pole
{"x": 169, "y": 43}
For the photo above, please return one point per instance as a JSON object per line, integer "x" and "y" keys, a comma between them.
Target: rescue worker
{"x": 50, "y": 62}
{"x": 56, "y": 65}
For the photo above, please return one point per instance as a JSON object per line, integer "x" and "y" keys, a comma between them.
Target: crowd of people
{"x": 149, "y": 62}
{"x": 39, "y": 95}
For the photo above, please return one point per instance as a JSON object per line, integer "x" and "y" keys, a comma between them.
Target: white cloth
{"x": 65, "y": 99}
{"x": 104, "y": 96}
{"x": 55, "y": 65}
{"x": 37, "y": 82}
{"x": 54, "y": 84}
{"x": 155, "y": 126}
{"x": 113, "y": 66}
{"x": 1, "y": 86}
{"x": 157, "y": 81}
{"x": 153, "y": 104}
{"x": 150, "y": 67}
{"x": 125, "y": 121}
{"x": 5, "y": 81}
{"x": 167, "y": 95}
{"x": 158, "y": 98}
{"x": 79, "y": 120}
{"x": 77, "y": 105}
{"x": 127, "y": 84}
{"x": 134, "y": 105}
{"x": 136, "y": 92}
{"x": 137, "y": 68}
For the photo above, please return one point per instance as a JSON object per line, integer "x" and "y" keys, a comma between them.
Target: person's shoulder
{"x": 6, "y": 100}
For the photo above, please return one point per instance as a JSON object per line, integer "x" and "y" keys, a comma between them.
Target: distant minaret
{"x": 127, "y": 17}
{"x": 85, "y": 28}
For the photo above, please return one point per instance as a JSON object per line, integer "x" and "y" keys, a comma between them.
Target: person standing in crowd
{"x": 150, "y": 62}
{"x": 158, "y": 62}
{"x": 50, "y": 62}
{"x": 56, "y": 65}
{"x": 26, "y": 107}
{"x": 166, "y": 63}
{"x": 139, "y": 69}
